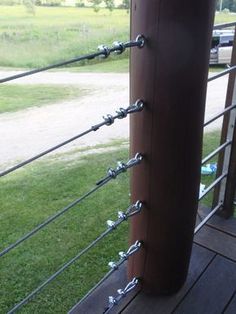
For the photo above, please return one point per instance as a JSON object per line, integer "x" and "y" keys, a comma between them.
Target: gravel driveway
{"x": 30, "y": 131}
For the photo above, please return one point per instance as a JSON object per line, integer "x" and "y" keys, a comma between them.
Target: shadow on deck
{"x": 209, "y": 289}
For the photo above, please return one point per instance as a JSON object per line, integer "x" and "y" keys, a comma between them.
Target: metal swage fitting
{"x": 110, "y": 229}
{"x": 131, "y": 163}
{"x": 103, "y": 51}
{"x": 122, "y": 293}
{"x": 114, "y": 267}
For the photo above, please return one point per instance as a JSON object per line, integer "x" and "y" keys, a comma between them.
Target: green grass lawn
{"x": 225, "y": 18}
{"x": 54, "y": 34}
{"x": 210, "y": 143}
{"x": 18, "y": 97}
{"x": 104, "y": 66}
{"x": 31, "y": 195}
{"x": 58, "y": 33}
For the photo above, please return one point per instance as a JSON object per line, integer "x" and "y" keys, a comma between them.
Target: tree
{"x": 80, "y": 3}
{"x": 226, "y": 4}
{"x": 126, "y": 5}
{"x": 30, "y": 6}
{"x": 96, "y": 4}
{"x": 110, "y": 4}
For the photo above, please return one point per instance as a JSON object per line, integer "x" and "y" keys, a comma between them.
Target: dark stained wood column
{"x": 170, "y": 75}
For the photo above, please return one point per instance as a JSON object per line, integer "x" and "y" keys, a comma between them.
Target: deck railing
{"x": 132, "y": 210}
{"x": 164, "y": 233}
{"x": 220, "y": 203}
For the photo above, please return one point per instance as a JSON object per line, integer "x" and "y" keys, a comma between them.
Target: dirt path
{"x": 30, "y": 131}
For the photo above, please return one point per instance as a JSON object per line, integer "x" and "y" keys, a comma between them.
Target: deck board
{"x": 163, "y": 305}
{"x": 218, "y": 241}
{"x": 213, "y": 290}
{"x": 98, "y": 300}
{"x": 225, "y": 225}
{"x": 210, "y": 287}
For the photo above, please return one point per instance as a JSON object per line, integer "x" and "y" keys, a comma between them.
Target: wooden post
{"x": 170, "y": 75}
{"x": 225, "y": 192}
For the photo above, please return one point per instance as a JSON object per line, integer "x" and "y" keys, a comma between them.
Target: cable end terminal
{"x": 141, "y": 40}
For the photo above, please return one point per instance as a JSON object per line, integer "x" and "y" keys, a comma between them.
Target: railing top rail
{"x": 224, "y": 25}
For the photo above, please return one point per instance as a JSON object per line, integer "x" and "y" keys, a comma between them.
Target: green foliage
{"x": 30, "y": 6}
{"x": 10, "y": 2}
{"x": 56, "y": 34}
{"x": 96, "y": 4}
{"x": 126, "y": 4}
{"x": 226, "y": 11}
{"x": 49, "y": 3}
{"x": 110, "y": 4}
{"x": 80, "y": 4}
{"x": 226, "y": 4}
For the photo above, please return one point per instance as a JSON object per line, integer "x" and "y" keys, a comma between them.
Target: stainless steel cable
{"x": 216, "y": 151}
{"x": 103, "y": 51}
{"x": 205, "y": 220}
{"x": 224, "y": 25}
{"x": 217, "y": 181}
{"x": 107, "y": 121}
{"x": 222, "y": 113}
{"x": 223, "y": 73}
{"x": 112, "y": 174}
{"x": 111, "y": 226}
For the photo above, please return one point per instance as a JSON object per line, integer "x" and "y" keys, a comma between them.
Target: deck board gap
{"x": 228, "y": 304}
{"x": 194, "y": 283}
{"x": 220, "y": 230}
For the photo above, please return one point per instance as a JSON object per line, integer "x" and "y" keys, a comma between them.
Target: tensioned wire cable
{"x": 112, "y": 174}
{"x": 108, "y": 120}
{"x": 132, "y": 210}
{"x": 103, "y": 51}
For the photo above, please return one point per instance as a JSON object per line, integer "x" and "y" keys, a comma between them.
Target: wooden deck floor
{"x": 210, "y": 287}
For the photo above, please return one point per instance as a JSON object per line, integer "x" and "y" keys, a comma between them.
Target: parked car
{"x": 221, "y": 46}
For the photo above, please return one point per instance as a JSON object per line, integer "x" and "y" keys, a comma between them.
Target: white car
{"x": 221, "y": 46}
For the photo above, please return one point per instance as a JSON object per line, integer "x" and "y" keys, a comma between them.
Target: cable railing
{"x": 111, "y": 226}
{"x": 222, "y": 73}
{"x": 207, "y": 218}
{"x": 216, "y": 151}
{"x": 223, "y": 146}
{"x": 219, "y": 115}
{"x": 103, "y": 51}
{"x": 124, "y": 256}
{"x": 212, "y": 185}
{"x": 122, "y": 293}
{"x": 112, "y": 173}
{"x": 108, "y": 120}
{"x": 224, "y": 25}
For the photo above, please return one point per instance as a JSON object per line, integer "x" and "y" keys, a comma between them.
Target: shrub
{"x": 80, "y": 4}
{"x": 10, "y": 2}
